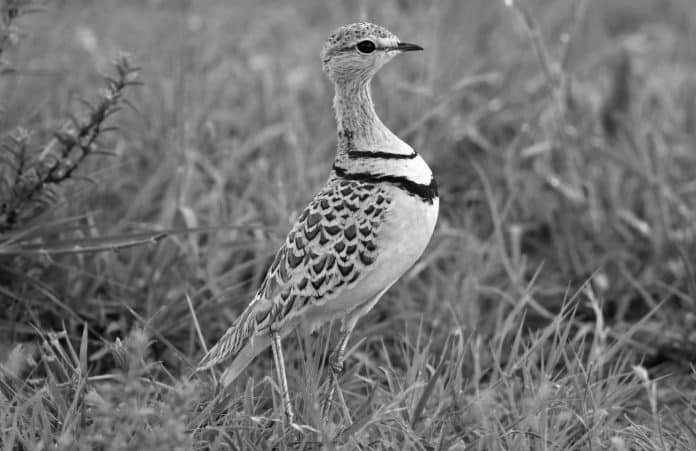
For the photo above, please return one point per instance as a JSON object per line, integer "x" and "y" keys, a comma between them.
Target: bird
{"x": 368, "y": 224}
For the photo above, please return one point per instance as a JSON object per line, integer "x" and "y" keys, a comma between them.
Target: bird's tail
{"x": 239, "y": 356}
{"x": 240, "y": 344}
{"x": 251, "y": 349}
{"x": 229, "y": 344}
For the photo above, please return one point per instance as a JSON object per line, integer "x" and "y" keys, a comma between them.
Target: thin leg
{"x": 282, "y": 379}
{"x": 337, "y": 357}
{"x": 336, "y": 360}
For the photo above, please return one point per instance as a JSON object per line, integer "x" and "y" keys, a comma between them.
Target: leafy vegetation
{"x": 141, "y": 202}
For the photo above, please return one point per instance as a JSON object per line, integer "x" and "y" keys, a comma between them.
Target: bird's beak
{"x": 406, "y": 47}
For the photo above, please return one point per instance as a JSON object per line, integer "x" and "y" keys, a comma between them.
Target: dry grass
{"x": 553, "y": 309}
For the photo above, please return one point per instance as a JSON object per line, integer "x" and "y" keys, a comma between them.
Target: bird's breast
{"x": 407, "y": 230}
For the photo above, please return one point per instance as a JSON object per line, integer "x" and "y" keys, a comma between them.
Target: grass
{"x": 553, "y": 309}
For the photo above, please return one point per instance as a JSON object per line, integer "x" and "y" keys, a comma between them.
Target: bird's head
{"x": 355, "y": 52}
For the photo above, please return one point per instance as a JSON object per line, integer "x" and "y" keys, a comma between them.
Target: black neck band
{"x": 425, "y": 192}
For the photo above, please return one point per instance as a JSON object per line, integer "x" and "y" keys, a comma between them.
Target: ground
{"x": 553, "y": 309}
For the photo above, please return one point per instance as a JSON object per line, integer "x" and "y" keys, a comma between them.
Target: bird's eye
{"x": 366, "y": 46}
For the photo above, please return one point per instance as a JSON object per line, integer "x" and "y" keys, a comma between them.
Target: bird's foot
{"x": 335, "y": 369}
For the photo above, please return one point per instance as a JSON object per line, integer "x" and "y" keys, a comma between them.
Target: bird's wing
{"x": 328, "y": 250}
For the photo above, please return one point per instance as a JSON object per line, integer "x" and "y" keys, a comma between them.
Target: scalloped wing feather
{"x": 327, "y": 251}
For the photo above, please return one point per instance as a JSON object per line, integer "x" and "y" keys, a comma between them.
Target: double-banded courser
{"x": 367, "y": 225}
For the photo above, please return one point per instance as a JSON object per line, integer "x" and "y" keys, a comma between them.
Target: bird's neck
{"x": 359, "y": 127}
{"x": 368, "y": 150}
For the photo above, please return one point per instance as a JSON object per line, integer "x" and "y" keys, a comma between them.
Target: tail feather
{"x": 251, "y": 349}
{"x": 240, "y": 344}
{"x": 222, "y": 350}
{"x": 230, "y": 343}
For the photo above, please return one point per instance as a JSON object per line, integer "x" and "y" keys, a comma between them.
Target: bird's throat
{"x": 359, "y": 127}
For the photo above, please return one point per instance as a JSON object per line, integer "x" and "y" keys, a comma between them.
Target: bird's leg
{"x": 336, "y": 366}
{"x": 282, "y": 379}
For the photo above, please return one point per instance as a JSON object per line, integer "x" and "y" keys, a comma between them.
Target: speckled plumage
{"x": 334, "y": 241}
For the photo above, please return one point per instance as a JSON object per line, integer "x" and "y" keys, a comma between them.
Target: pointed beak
{"x": 406, "y": 47}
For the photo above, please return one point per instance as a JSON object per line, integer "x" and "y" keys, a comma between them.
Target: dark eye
{"x": 366, "y": 46}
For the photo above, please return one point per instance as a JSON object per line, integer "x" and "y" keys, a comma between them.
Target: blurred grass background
{"x": 562, "y": 136}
